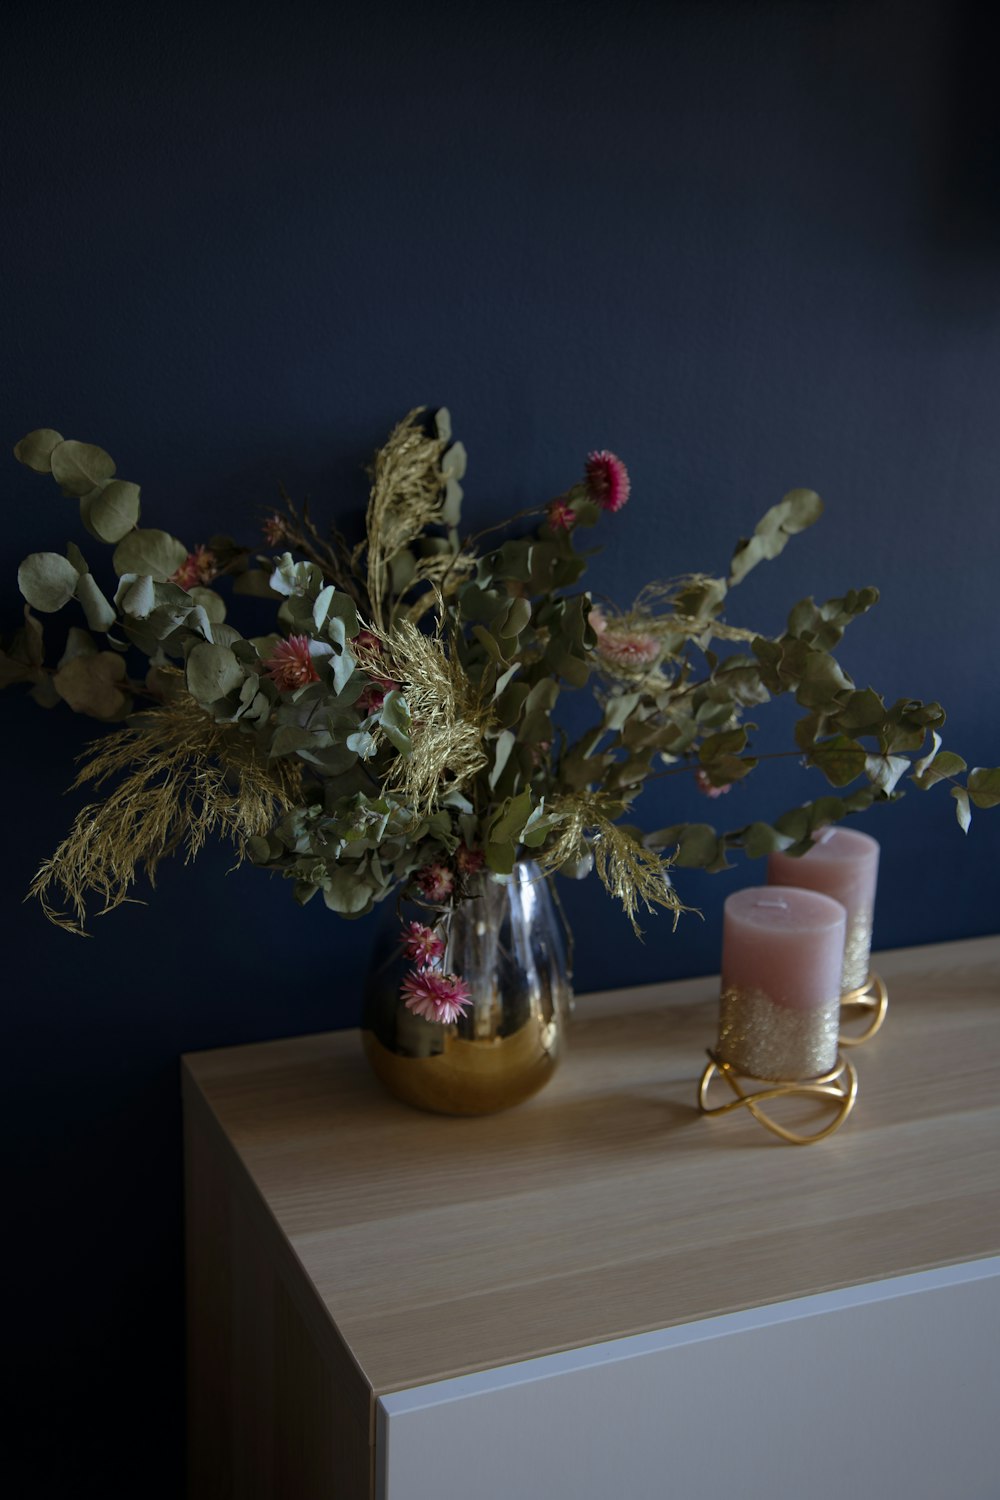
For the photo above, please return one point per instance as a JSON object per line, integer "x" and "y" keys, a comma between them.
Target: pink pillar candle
{"x": 843, "y": 863}
{"x": 782, "y": 954}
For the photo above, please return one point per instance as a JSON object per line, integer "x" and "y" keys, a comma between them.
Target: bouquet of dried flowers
{"x": 398, "y": 730}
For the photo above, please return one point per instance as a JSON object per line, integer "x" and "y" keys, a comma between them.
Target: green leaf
{"x": 78, "y": 643}
{"x": 254, "y": 582}
{"x": 212, "y": 672}
{"x": 943, "y": 765}
{"x": 885, "y": 770}
{"x": 864, "y": 712}
{"x": 110, "y": 511}
{"x": 505, "y": 743}
{"x": 91, "y": 684}
{"x": 212, "y": 603}
{"x": 294, "y": 579}
{"x": 510, "y": 818}
{"x": 139, "y": 600}
{"x": 394, "y": 716}
{"x": 345, "y": 893}
{"x": 984, "y": 786}
{"x": 840, "y": 759}
{"x": 47, "y": 580}
{"x": 963, "y": 812}
{"x": 761, "y": 839}
{"x": 98, "y": 612}
{"x": 35, "y": 450}
{"x": 79, "y": 467}
{"x": 154, "y": 552}
{"x": 798, "y": 509}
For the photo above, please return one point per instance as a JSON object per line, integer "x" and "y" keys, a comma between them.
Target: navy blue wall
{"x": 745, "y": 246}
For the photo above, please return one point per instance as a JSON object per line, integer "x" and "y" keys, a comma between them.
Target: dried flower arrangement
{"x": 398, "y": 731}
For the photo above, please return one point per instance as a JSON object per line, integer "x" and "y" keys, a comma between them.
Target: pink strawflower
{"x": 290, "y": 664}
{"x": 597, "y": 621}
{"x": 469, "y": 861}
{"x": 436, "y": 997}
{"x": 436, "y": 881}
{"x": 274, "y": 530}
{"x": 607, "y": 480}
{"x": 706, "y": 787}
{"x": 560, "y": 515}
{"x": 197, "y": 570}
{"x": 627, "y": 648}
{"x": 422, "y": 946}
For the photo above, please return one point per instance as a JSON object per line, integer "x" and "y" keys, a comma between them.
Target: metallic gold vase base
{"x": 872, "y": 1000}
{"x": 837, "y": 1090}
{"x": 470, "y": 1077}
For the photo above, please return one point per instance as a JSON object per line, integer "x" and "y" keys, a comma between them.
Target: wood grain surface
{"x": 608, "y": 1205}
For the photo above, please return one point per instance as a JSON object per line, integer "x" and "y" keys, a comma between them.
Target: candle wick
{"x": 826, "y": 835}
{"x": 776, "y": 902}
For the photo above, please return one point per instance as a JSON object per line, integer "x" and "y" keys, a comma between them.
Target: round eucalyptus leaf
{"x": 47, "y": 580}
{"x": 139, "y": 600}
{"x": 110, "y": 511}
{"x": 79, "y": 467}
{"x": 90, "y": 684}
{"x": 35, "y": 449}
{"x": 76, "y": 557}
{"x": 154, "y": 552}
{"x": 212, "y": 672}
{"x": 100, "y": 615}
{"x": 212, "y": 603}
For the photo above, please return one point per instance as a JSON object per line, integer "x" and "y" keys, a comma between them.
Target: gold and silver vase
{"x": 507, "y": 943}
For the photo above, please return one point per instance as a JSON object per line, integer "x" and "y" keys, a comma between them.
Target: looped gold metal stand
{"x": 872, "y": 999}
{"x": 839, "y": 1087}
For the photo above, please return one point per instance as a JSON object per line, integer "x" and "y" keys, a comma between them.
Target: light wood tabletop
{"x": 608, "y": 1205}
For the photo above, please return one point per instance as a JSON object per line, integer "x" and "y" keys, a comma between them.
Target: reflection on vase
{"x": 507, "y": 944}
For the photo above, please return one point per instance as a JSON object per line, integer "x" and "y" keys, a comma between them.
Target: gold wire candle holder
{"x": 837, "y": 1088}
{"x": 872, "y": 1000}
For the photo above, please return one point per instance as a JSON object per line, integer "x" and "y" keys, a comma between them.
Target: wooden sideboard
{"x": 603, "y": 1292}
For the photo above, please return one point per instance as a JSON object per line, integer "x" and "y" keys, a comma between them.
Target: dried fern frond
{"x": 445, "y": 573}
{"x": 627, "y": 869}
{"x": 449, "y": 717}
{"x": 184, "y": 777}
{"x": 668, "y": 594}
{"x": 407, "y": 496}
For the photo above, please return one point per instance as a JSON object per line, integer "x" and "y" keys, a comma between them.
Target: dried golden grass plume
{"x": 184, "y": 778}
{"x": 407, "y": 496}
{"x": 628, "y": 870}
{"x": 449, "y": 716}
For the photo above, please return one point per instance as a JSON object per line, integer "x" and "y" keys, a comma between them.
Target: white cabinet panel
{"x": 891, "y": 1389}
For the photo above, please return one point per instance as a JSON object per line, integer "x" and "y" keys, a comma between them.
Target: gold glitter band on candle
{"x": 857, "y": 950}
{"x": 766, "y": 1040}
{"x": 872, "y": 999}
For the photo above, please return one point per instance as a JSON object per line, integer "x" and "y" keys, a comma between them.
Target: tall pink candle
{"x": 782, "y": 953}
{"x": 843, "y": 863}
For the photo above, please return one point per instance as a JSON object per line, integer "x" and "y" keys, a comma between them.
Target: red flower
{"x": 436, "y": 881}
{"x": 607, "y": 480}
{"x": 469, "y": 861}
{"x": 561, "y": 515}
{"x": 290, "y": 664}
{"x": 436, "y": 997}
{"x": 274, "y": 531}
{"x": 197, "y": 570}
{"x": 373, "y": 697}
